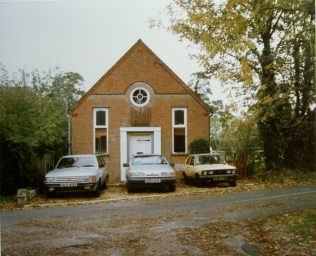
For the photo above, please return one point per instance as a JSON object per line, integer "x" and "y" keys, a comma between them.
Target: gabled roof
{"x": 122, "y": 59}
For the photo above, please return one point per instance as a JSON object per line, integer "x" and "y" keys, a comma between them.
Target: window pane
{"x": 100, "y": 141}
{"x": 100, "y": 117}
{"x": 140, "y": 96}
{"x": 179, "y": 117}
{"x": 179, "y": 140}
{"x": 77, "y": 162}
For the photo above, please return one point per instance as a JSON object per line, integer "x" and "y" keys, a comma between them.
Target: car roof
{"x": 80, "y": 155}
{"x": 206, "y": 154}
{"x": 140, "y": 155}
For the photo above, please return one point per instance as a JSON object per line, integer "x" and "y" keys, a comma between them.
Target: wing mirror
{"x": 125, "y": 165}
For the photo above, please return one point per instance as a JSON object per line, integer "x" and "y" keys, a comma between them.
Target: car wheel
{"x": 172, "y": 188}
{"x": 106, "y": 182}
{"x": 97, "y": 190}
{"x": 233, "y": 183}
{"x": 130, "y": 189}
{"x": 185, "y": 179}
{"x": 198, "y": 181}
{"x": 48, "y": 194}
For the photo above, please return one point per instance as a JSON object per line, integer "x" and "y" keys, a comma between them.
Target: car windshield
{"x": 209, "y": 159}
{"x": 145, "y": 160}
{"x": 77, "y": 162}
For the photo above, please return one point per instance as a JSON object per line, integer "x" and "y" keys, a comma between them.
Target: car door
{"x": 102, "y": 169}
{"x": 189, "y": 166}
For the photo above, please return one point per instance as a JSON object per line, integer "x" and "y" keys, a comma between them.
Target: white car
{"x": 150, "y": 171}
{"x": 77, "y": 173}
{"x": 211, "y": 167}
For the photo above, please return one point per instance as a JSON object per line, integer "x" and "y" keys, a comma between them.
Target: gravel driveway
{"x": 200, "y": 223}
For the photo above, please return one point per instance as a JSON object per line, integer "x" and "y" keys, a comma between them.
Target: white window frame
{"x": 185, "y": 126}
{"x": 135, "y": 103}
{"x": 106, "y": 126}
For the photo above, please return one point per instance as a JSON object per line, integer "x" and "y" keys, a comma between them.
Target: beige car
{"x": 208, "y": 168}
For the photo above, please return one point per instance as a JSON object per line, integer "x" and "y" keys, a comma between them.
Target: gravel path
{"x": 170, "y": 225}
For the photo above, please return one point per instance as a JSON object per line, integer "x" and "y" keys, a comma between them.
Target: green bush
{"x": 33, "y": 124}
{"x": 200, "y": 146}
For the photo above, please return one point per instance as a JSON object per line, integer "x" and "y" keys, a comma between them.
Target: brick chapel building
{"x": 139, "y": 105}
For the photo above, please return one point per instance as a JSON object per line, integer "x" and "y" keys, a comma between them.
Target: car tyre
{"x": 97, "y": 190}
{"x": 172, "y": 188}
{"x": 185, "y": 179}
{"x": 130, "y": 189}
{"x": 106, "y": 182}
{"x": 48, "y": 194}
{"x": 233, "y": 183}
{"x": 198, "y": 181}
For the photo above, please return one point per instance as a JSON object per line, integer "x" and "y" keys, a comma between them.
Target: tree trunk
{"x": 268, "y": 123}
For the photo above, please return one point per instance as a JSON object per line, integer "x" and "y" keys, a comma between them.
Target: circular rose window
{"x": 140, "y": 97}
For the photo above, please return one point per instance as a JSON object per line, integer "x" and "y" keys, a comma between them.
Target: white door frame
{"x": 124, "y": 145}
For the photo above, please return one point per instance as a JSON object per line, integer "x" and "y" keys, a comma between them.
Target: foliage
{"x": 286, "y": 177}
{"x": 268, "y": 48}
{"x": 301, "y": 226}
{"x": 201, "y": 87}
{"x": 33, "y": 123}
{"x": 199, "y": 146}
{"x": 239, "y": 138}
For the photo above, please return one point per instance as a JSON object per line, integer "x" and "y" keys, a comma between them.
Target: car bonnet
{"x": 73, "y": 171}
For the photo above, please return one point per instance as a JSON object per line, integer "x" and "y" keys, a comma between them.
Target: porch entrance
{"x": 134, "y": 140}
{"x": 140, "y": 143}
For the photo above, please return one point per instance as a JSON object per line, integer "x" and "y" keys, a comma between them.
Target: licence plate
{"x": 220, "y": 179}
{"x": 69, "y": 185}
{"x": 152, "y": 180}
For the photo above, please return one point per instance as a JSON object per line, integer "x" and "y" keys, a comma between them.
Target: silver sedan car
{"x": 77, "y": 173}
{"x": 150, "y": 171}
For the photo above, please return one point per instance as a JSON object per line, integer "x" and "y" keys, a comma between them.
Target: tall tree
{"x": 261, "y": 45}
{"x": 32, "y": 122}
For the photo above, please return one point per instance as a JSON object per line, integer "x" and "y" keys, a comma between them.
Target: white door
{"x": 140, "y": 144}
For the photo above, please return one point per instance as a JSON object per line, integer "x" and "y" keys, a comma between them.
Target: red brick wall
{"x": 113, "y": 91}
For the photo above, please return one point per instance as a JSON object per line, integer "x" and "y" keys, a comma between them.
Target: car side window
{"x": 188, "y": 161}
{"x": 192, "y": 161}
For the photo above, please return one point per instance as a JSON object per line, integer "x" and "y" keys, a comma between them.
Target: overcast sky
{"x": 86, "y": 36}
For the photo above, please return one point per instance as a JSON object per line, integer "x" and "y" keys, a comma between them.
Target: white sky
{"x": 87, "y": 36}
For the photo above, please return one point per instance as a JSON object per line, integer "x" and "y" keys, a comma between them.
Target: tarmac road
{"x": 140, "y": 227}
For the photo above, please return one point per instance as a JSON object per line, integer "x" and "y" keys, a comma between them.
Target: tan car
{"x": 208, "y": 168}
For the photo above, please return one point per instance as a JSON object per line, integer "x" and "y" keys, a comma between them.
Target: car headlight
{"x": 88, "y": 179}
{"x": 167, "y": 173}
{"x": 49, "y": 179}
{"x": 136, "y": 174}
{"x": 228, "y": 171}
{"x": 233, "y": 171}
{"x": 207, "y": 172}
